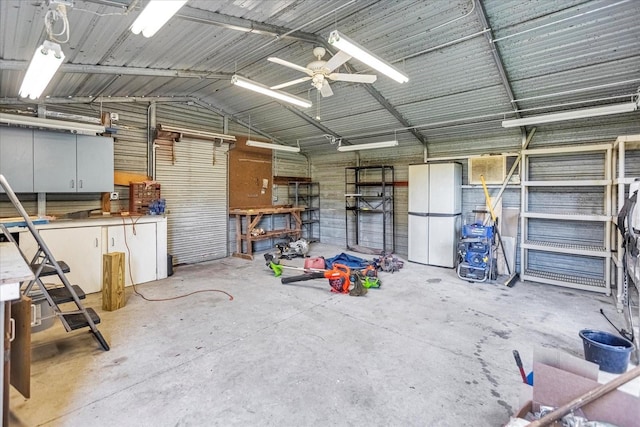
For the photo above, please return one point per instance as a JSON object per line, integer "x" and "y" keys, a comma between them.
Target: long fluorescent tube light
{"x": 350, "y": 47}
{"x": 382, "y": 144}
{"x": 265, "y": 90}
{"x": 75, "y": 127}
{"x": 571, "y": 115}
{"x": 278, "y": 147}
{"x": 155, "y": 15}
{"x": 45, "y": 62}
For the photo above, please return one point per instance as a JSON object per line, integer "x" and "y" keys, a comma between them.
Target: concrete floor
{"x": 426, "y": 349}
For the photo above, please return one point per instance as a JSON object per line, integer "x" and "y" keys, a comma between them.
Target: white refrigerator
{"x": 435, "y": 212}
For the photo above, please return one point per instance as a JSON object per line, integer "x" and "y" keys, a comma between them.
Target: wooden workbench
{"x": 246, "y": 231}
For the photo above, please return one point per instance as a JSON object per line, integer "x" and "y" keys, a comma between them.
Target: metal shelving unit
{"x": 369, "y": 207}
{"x": 619, "y": 197}
{"x": 574, "y": 259}
{"x": 307, "y": 194}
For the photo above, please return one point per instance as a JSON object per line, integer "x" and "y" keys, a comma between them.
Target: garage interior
{"x": 300, "y": 212}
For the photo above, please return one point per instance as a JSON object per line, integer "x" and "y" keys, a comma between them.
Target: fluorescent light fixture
{"x": 383, "y": 144}
{"x": 45, "y": 62}
{"x": 350, "y": 47}
{"x": 265, "y": 90}
{"x": 573, "y": 114}
{"x": 74, "y": 127}
{"x": 155, "y": 15}
{"x": 278, "y": 147}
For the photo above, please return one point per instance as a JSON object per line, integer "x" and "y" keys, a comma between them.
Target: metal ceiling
{"x": 470, "y": 62}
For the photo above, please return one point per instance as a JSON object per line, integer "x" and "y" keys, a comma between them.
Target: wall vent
{"x": 493, "y": 168}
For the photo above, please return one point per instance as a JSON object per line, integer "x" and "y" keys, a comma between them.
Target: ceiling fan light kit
{"x": 45, "y": 62}
{"x": 319, "y": 72}
{"x": 155, "y": 15}
{"x": 350, "y": 47}
{"x": 572, "y": 115}
{"x": 265, "y": 90}
{"x": 382, "y": 144}
{"x": 277, "y": 147}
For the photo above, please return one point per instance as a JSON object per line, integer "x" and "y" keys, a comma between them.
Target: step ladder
{"x": 44, "y": 264}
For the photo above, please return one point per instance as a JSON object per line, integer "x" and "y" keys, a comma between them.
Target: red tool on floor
{"x": 516, "y": 355}
{"x": 339, "y": 278}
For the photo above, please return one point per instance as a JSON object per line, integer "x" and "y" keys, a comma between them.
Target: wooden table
{"x": 248, "y": 232}
{"x": 13, "y": 270}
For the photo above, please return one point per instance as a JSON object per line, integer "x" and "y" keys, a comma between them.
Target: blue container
{"x": 609, "y": 351}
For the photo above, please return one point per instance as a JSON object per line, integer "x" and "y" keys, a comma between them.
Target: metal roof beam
{"x": 242, "y": 24}
{"x": 221, "y": 20}
{"x": 118, "y": 70}
{"x": 315, "y": 123}
{"x": 497, "y": 59}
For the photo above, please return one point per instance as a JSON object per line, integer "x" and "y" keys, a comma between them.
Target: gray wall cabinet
{"x": 94, "y": 163}
{"x": 16, "y": 159}
{"x": 65, "y": 163}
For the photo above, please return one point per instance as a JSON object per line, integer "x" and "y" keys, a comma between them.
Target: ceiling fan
{"x": 319, "y": 72}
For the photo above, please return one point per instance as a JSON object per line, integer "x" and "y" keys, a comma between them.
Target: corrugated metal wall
{"x": 329, "y": 170}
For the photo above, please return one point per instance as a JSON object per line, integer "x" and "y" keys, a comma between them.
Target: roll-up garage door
{"x": 193, "y": 178}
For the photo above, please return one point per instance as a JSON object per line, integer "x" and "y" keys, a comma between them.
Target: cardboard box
{"x": 560, "y": 378}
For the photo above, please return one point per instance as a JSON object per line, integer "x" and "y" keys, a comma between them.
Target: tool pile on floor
{"x": 347, "y": 274}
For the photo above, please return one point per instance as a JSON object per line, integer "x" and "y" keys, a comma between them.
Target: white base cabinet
{"x": 80, "y": 248}
{"x": 137, "y": 242}
{"x": 82, "y": 243}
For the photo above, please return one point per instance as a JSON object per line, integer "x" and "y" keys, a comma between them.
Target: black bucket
{"x": 609, "y": 351}
{"x": 169, "y": 265}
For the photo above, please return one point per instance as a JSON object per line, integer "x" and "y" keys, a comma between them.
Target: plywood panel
{"x": 250, "y": 176}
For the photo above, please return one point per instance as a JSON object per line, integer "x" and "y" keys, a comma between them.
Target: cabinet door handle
{"x": 12, "y": 322}
{"x": 73, "y": 183}
{"x": 80, "y": 182}
{"x": 113, "y": 242}
{"x": 34, "y": 315}
{"x": 96, "y": 242}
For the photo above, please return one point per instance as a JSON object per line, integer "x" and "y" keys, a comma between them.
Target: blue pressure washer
{"x": 476, "y": 248}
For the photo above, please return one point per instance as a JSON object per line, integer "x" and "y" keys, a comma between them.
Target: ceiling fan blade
{"x": 325, "y": 90}
{"x": 337, "y": 60}
{"x": 358, "y": 78}
{"x": 290, "y": 65}
{"x": 291, "y": 83}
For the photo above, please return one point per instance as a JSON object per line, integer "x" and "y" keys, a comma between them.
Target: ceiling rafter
{"x": 497, "y": 59}
{"x": 121, "y": 70}
{"x": 315, "y": 123}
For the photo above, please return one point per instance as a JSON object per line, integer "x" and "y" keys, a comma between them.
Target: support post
{"x": 113, "y": 281}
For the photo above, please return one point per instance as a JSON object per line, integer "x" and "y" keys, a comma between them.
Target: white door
{"x": 418, "y": 239}
{"x": 419, "y": 188}
{"x": 138, "y": 242}
{"x": 443, "y": 240}
{"x": 80, "y": 248}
